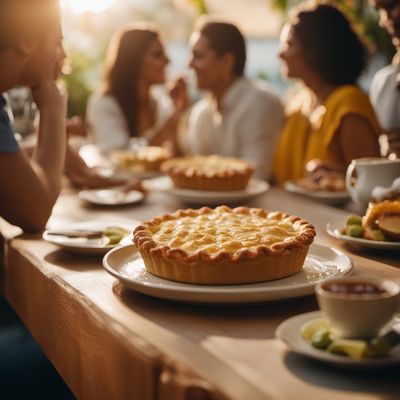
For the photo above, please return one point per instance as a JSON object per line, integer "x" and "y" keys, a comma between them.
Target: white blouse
{"x": 385, "y": 96}
{"x": 108, "y": 126}
{"x": 248, "y": 127}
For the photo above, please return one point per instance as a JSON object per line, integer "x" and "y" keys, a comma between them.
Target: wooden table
{"x": 109, "y": 342}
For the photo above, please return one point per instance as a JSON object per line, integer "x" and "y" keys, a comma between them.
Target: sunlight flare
{"x": 81, "y": 6}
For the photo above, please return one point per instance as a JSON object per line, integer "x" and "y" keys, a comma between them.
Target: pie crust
{"x": 224, "y": 245}
{"x": 145, "y": 159}
{"x": 208, "y": 172}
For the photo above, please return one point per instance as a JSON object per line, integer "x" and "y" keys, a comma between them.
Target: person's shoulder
{"x": 202, "y": 106}
{"x": 99, "y": 99}
{"x": 263, "y": 91}
{"x": 100, "y": 103}
{"x": 348, "y": 94}
{"x": 386, "y": 72}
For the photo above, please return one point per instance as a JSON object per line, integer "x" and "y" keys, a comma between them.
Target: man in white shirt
{"x": 237, "y": 118}
{"x": 385, "y": 88}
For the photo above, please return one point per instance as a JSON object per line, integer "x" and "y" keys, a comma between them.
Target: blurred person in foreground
{"x": 385, "y": 87}
{"x": 331, "y": 118}
{"x": 78, "y": 172}
{"x": 30, "y": 37}
{"x": 126, "y": 112}
{"x": 29, "y": 48}
{"x": 237, "y": 117}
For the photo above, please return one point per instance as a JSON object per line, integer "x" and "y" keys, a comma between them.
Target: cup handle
{"x": 349, "y": 186}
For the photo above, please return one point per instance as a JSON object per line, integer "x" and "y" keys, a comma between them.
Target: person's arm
{"x": 357, "y": 138}
{"x": 168, "y": 130}
{"x": 81, "y": 175}
{"x": 30, "y": 187}
{"x": 393, "y": 142}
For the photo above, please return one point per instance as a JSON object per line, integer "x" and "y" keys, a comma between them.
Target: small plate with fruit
{"x": 91, "y": 237}
{"x": 379, "y": 228}
{"x": 311, "y": 335}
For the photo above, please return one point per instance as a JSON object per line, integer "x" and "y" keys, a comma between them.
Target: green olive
{"x": 321, "y": 339}
{"x": 354, "y": 231}
{"x": 354, "y": 220}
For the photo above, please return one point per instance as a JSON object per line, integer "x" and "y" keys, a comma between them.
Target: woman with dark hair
{"x": 238, "y": 118}
{"x": 126, "y": 109}
{"x": 331, "y": 119}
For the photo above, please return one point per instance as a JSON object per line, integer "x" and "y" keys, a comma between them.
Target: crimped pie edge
{"x": 169, "y": 167}
{"x": 145, "y": 243}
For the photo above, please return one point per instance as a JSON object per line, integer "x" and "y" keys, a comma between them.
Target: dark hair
{"x": 225, "y": 38}
{"x": 122, "y": 67}
{"x": 330, "y": 45}
{"x": 26, "y": 18}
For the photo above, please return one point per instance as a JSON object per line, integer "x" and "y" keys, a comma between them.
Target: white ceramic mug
{"x": 358, "y": 315}
{"x": 371, "y": 172}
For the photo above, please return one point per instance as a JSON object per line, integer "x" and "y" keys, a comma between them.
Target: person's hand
{"x": 50, "y": 95}
{"x": 179, "y": 94}
{"x": 76, "y": 127}
{"x": 134, "y": 184}
{"x": 393, "y": 143}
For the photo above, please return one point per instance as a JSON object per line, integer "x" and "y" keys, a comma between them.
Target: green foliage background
{"x": 360, "y": 12}
{"x": 364, "y": 18}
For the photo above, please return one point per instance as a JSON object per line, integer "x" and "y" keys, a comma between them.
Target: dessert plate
{"x": 331, "y": 198}
{"x": 94, "y": 158}
{"x": 111, "y": 197}
{"x": 126, "y": 264}
{"x": 164, "y": 185}
{"x": 289, "y": 332}
{"x": 119, "y": 175}
{"x": 97, "y": 245}
{"x": 335, "y": 229}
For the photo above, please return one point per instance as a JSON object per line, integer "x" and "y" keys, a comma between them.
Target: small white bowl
{"x": 355, "y": 314}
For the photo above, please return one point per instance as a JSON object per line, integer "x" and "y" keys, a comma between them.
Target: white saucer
{"x": 335, "y": 229}
{"x": 97, "y": 246}
{"x": 326, "y": 197}
{"x": 289, "y": 332}
{"x": 164, "y": 185}
{"x": 110, "y": 197}
{"x": 126, "y": 264}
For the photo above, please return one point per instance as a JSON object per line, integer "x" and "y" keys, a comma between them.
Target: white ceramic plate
{"x": 332, "y": 198}
{"x": 164, "y": 185}
{"x": 322, "y": 262}
{"x": 334, "y": 229}
{"x": 289, "y": 332}
{"x": 110, "y": 197}
{"x": 97, "y": 246}
{"x": 109, "y": 172}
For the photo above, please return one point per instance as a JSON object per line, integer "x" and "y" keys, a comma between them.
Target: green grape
{"x": 354, "y": 220}
{"x": 321, "y": 339}
{"x": 354, "y": 231}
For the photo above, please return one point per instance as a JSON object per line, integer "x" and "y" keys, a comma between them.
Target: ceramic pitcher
{"x": 369, "y": 173}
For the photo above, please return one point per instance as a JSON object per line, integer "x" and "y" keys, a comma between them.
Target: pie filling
{"x": 207, "y": 165}
{"x": 222, "y": 231}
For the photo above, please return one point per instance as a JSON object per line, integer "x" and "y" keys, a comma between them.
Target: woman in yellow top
{"x": 331, "y": 119}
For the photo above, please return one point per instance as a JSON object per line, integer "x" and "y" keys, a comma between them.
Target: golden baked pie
{"x": 208, "y": 172}
{"x": 224, "y": 245}
{"x": 145, "y": 159}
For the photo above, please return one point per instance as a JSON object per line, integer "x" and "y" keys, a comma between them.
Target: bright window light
{"x": 81, "y": 6}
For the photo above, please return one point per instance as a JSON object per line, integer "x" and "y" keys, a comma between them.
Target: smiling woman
{"x": 81, "y": 6}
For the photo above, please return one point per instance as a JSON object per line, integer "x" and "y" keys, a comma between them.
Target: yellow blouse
{"x": 307, "y": 137}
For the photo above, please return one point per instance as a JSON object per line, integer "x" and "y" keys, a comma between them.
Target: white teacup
{"x": 358, "y": 307}
{"x": 371, "y": 172}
